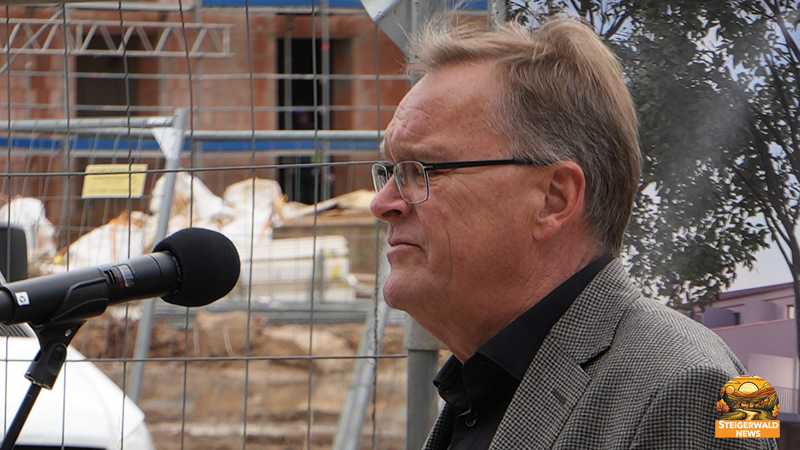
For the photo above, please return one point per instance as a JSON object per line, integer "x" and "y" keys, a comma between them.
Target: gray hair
{"x": 564, "y": 98}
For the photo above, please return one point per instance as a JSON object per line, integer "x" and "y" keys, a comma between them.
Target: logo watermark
{"x": 748, "y": 408}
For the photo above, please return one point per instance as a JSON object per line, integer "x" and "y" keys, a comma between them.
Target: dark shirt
{"x": 480, "y": 389}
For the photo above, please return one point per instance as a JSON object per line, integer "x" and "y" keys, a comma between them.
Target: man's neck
{"x": 505, "y": 302}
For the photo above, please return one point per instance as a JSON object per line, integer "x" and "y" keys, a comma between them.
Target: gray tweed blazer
{"x": 618, "y": 371}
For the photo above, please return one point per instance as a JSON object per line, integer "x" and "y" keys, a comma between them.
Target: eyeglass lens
{"x": 410, "y": 178}
{"x": 380, "y": 175}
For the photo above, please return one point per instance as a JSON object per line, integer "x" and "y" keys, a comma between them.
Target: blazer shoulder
{"x": 677, "y": 338}
{"x": 682, "y": 414}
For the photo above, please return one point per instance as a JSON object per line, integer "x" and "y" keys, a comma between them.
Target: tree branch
{"x": 775, "y": 193}
{"x": 790, "y": 43}
{"x": 617, "y": 25}
{"x": 791, "y": 121}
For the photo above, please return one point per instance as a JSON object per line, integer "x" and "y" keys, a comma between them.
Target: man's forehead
{"x": 405, "y": 152}
{"x": 419, "y": 123}
{"x": 400, "y": 143}
{"x": 445, "y": 108}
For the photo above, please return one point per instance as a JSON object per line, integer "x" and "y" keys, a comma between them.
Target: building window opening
{"x": 297, "y": 96}
{"x": 102, "y": 89}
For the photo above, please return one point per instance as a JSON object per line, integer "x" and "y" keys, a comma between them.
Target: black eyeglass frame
{"x": 427, "y": 167}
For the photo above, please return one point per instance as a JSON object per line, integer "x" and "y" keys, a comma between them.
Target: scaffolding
{"x": 38, "y": 37}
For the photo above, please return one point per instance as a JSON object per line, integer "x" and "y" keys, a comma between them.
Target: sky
{"x": 770, "y": 269}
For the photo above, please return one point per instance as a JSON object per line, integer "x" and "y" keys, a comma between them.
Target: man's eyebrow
{"x": 382, "y": 149}
{"x": 421, "y": 154}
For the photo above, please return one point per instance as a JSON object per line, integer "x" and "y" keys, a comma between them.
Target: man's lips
{"x": 400, "y": 251}
{"x": 399, "y": 240}
{"x": 396, "y": 245}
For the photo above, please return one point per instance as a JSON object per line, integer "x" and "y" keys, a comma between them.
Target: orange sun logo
{"x": 747, "y": 397}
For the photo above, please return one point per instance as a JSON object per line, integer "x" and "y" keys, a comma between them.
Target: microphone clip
{"x": 54, "y": 338}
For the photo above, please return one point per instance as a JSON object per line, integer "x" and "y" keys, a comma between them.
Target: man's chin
{"x": 398, "y": 293}
{"x": 394, "y": 299}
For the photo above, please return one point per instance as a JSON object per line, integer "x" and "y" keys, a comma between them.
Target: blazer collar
{"x": 556, "y": 377}
{"x": 589, "y": 325}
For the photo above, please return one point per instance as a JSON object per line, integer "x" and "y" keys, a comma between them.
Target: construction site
{"x": 125, "y": 122}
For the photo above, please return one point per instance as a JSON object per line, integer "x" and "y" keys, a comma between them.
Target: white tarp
{"x": 246, "y": 213}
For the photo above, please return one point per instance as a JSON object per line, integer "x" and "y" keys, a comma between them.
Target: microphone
{"x": 192, "y": 267}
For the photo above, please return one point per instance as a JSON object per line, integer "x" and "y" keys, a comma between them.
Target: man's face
{"x": 451, "y": 252}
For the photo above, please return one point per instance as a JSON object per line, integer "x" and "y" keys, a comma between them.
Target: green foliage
{"x": 716, "y": 85}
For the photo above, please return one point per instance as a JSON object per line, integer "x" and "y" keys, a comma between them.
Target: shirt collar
{"x": 514, "y": 347}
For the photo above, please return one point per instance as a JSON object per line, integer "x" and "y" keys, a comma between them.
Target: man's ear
{"x": 561, "y": 199}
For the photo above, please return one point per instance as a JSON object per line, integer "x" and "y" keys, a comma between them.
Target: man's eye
{"x": 401, "y": 178}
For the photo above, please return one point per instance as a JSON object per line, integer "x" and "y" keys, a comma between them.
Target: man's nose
{"x": 387, "y": 203}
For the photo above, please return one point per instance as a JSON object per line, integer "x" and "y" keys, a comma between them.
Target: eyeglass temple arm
{"x": 486, "y": 162}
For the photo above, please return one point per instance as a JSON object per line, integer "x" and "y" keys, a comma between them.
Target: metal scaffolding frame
{"x": 30, "y": 36}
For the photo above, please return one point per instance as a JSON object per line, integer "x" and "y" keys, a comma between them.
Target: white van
{"x": 84, "y": 411}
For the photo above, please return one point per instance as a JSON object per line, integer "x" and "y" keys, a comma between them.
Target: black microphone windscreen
{"x": 209, "y": 265}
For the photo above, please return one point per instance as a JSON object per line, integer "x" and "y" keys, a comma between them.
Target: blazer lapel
{"x": 544, "y": 400}
{"x": 556, "y": 380}
{"x": 442, "y": 431}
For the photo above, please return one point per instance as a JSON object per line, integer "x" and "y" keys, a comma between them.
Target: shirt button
{"x": 471, "y": 420}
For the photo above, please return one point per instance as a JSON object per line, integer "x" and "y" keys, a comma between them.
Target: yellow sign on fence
{"x": 114, "y": 181}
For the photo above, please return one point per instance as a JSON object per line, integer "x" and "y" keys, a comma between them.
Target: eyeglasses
{"x": 412, "y": 176}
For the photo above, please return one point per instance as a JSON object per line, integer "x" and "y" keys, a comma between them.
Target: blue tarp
{"x": 472, "y": 5}
{"x": 307, "y": 3}
{"x": 150, "y": 144}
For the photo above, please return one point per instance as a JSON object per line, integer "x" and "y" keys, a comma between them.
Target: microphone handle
{"x": 84, "y": 293}
{"x": 152, "y": 275}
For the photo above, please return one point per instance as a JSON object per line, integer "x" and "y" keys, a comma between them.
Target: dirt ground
{"x": 206, "y": 386}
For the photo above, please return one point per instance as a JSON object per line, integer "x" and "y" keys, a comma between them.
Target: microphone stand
{"x": 83, "y": 300}
{"x": 54, "y": 338}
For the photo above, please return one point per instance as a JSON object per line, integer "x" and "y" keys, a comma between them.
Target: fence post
{"x": 423, "y": 399}
{"x": 145, "y": 330}
{"x": 351, "y": 420}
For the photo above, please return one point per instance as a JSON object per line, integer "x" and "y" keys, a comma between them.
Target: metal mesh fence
{"x": 267, "y": 116}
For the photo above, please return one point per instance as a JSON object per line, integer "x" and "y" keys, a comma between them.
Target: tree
{"x": 702, "y": 224}
{"x": 770, "y": 166}
{"x": 716, "y": 86}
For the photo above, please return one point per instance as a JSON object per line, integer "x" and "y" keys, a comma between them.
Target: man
{"x": 514, "y": 166}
